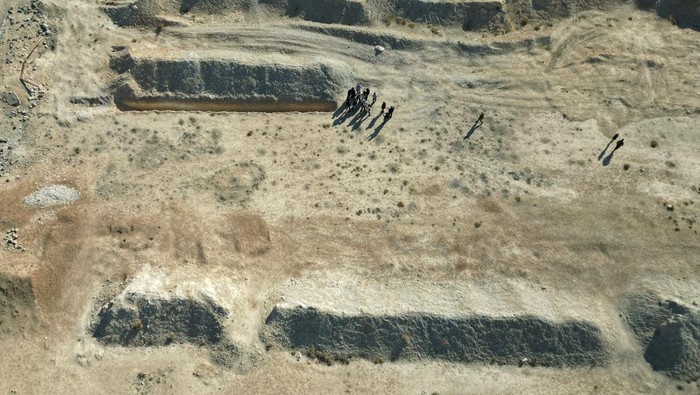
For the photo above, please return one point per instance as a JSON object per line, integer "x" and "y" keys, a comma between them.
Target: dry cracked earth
{"x": 189, "y": 205}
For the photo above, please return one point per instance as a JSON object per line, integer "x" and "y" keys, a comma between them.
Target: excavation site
{"x": 350, "y": 196}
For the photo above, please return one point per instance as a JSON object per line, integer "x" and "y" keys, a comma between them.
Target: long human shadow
{"x": 340, "y": 110}
{"x": 607, "y": 146}
{"x": 358, "y": 117}
{"x": 471, "y": 131}
{"x": 373, "y": 121}
{"x": 350, "y": 112}
{"x": 608, "y": 158}
{"x": 377, "y": 130}
{"x": 358, "y": 124}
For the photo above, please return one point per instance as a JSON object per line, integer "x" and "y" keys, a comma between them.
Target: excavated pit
{"x": 414, "y": 336}
{"x": 224, "y": 82}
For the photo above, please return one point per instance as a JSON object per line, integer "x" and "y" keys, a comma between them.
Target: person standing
{"x": 351, "y": 96}
{"x": 366, "y": 107}
{"x": 383, "y": 108}
{"x": 389, "y": 114}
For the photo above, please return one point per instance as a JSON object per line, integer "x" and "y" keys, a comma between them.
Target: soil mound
{"x": 141, "y": 320}
{"x": 216, "y": 83}
{"x": 417, "y": 336}
{"x": 645, "y": 313}
{"x": 669, "y": 332}
{"x": 675, "y": 347}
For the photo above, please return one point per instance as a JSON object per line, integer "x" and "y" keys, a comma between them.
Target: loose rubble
{"x": 52, "y": 195}
{"x": 11, "y": 240}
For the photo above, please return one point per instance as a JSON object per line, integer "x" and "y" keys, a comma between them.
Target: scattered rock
{"x": 11, "y": 240}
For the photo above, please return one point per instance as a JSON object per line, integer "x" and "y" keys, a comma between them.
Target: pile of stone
{"x": 52, "y": 195}
{"x": 10, "y": 242}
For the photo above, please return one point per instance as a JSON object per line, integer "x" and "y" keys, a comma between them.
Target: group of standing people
{"x": 359, "y": 96}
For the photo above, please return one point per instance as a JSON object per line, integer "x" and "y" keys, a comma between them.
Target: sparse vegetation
{"x": 137, "y": 325}
{"x": 321, "y": 356}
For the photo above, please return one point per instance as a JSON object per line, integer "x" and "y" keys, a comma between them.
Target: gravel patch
{"x": 52, "y": 195}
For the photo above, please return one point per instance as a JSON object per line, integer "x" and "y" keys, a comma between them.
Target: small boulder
{"x": 10, "y": 98}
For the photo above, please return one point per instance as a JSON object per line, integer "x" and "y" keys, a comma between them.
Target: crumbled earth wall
{"x": 160, "y": 12}
{"x": 566, "y": 8}
{"x": 415, "y": 336}
{"x": 469, "y": 15}
{"x": 346, "y": 12}
{"x": 254, "y": 87}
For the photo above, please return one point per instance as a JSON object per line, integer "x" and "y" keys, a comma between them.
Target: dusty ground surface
{"x": 526, "y": 216}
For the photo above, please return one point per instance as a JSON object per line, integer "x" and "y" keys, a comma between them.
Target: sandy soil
{"x": 524, "y": 216}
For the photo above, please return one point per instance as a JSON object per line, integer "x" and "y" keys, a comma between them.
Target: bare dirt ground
{"x": 246, "y": 210}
